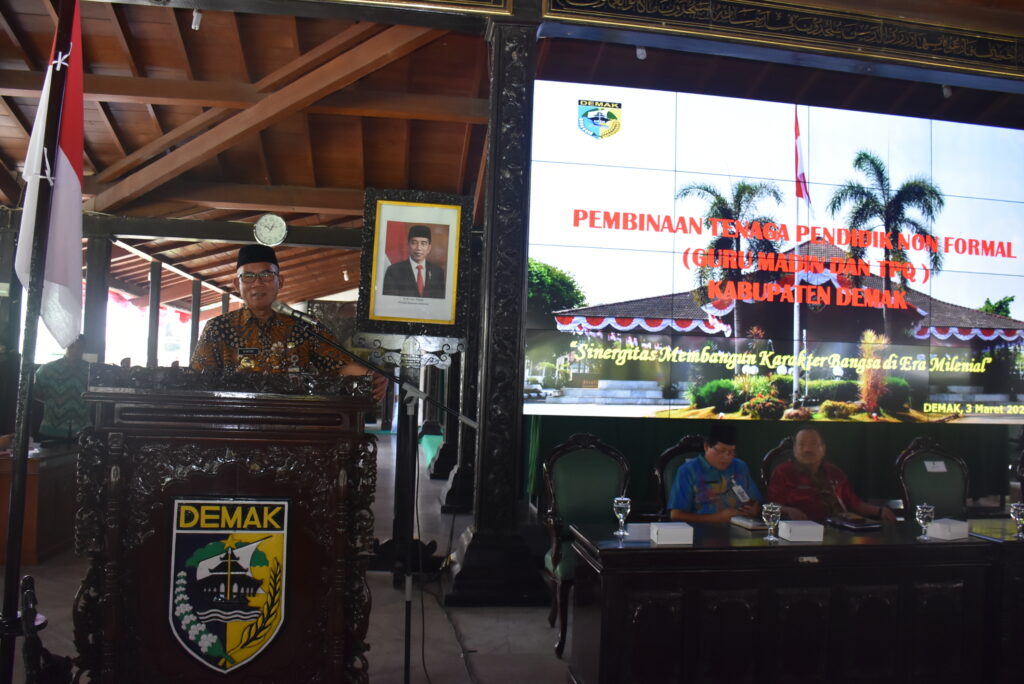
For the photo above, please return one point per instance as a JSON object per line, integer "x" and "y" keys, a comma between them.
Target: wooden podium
{"x": 227, "y": 522}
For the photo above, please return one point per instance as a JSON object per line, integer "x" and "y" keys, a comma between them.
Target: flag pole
{"x": 796, "y": 273}
{"x": 10, "y": 626}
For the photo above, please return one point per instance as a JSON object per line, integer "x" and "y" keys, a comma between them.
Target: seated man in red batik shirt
{"x": 811, "y": 488}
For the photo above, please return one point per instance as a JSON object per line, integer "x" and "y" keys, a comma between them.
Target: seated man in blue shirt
{"x": 717, "y": 486}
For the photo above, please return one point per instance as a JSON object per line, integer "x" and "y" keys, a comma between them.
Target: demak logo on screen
{"x": 600, "y": 119}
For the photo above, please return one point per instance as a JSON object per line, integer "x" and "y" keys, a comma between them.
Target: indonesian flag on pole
{"x": 802, "y": 191}
{"x": 61, "y": 308}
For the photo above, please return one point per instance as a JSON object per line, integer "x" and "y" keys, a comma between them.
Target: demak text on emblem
{"x": 599, "y": 119}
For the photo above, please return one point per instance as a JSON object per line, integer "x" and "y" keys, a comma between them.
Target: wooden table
{"x": 875, "y": 607}
{"x": 1006, "y": 600}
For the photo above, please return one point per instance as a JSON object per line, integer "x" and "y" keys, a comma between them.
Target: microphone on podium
{"x": 285, "y": 310}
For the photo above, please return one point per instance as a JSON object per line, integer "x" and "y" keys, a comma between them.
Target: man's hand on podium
{"x": 380, "y": 385}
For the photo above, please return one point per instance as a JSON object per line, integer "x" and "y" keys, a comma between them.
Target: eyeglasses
{"x": 251, "y": 277}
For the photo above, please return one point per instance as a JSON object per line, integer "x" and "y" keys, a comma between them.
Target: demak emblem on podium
{"x": 228, "y": 560}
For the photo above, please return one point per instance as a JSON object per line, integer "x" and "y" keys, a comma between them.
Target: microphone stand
{"x": 411, "y": 391}
{"x": 409, "y": 394}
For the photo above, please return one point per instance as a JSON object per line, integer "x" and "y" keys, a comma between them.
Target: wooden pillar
{"x": 433, "y": 382}
{"x": 225, "y": 302}
{"x": 153, "y": 346}
{"x": 448, "y": 454}
{"x": 97, "y": 270}
{"x": 513, "y": 47}
{"x": 494, "y": 565}
{"x": 458, "y": 493}
{"x": 197, "y": 291}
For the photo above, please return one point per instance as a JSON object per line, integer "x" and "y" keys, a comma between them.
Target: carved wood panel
{"x": 727, "y": 617}
{"x": 936, "y": 634}
{"x": 801, "y": 639}
{"x": 866, "y": 609}
{"x": 655, "y": 626}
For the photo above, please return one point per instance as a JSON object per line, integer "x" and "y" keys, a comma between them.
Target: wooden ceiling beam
{"x": 388, "y": 105}
{"x": 10, "y": 189}
{"x": 125, "y": 286}
{"x": 187, "y": 261}
{"x": 167, "y": 294}
{"x": 294, "y": 257}
{"x": 51, "y": 10}
{"x": 115, "y": 14}
{"x": 328, "y": 49}
{"x": 172, "y": 268}
{"x": 382, "y": 49}
{"x": 467, "y": 136}
{"x": 123, "y": 228}
{"x": 108, "y": 121}
{"x": 139, "y": 90}
{"x": 232, "y": 95}
{"x": 171, "y": 17}
{"x": 7, "y": 28}
{"x": 305, "y": 149}
{"x": 259, "y": 147}
{"x": 264, "y": 198}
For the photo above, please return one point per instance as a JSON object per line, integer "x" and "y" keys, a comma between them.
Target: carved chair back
{"x": 582, "y": 476}
{"x": 928, "y": 474}
{"x": 773, "y": 459}
{"x": 668, "y": 463}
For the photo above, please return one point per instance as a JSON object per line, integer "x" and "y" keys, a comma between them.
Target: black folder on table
{"x": 854, "y": 522}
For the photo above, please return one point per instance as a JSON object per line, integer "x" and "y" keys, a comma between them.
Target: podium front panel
{"x": 228, "y": 533}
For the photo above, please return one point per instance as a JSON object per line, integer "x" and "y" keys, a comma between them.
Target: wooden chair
{"x": 582, "y": 476}
{"x": 928, "y": 474}
{"x": 774, "y": 458}
{"x": 668, "y": 463}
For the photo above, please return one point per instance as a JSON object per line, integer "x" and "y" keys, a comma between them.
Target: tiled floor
{"x": 457, "y": 646}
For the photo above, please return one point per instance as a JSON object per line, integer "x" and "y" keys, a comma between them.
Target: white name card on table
{"x": 935, "y": 466}
{"x": 947, "y": 528}
{"x": 801, "y": 530}
{"x": 671, "y": 533}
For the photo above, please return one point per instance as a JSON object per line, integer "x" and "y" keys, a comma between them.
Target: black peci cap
{"x": 721, "y": 432}
{"x": 254, "y": 254}
{"x": 419, "y": 231}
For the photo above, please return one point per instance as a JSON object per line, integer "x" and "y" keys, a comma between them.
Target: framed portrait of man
{"x": 413, "y": 246}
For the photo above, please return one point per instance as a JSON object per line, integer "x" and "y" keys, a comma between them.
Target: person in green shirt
{"x": 59, "y": 385}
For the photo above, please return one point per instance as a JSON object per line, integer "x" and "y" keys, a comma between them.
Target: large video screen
{"x": 695, "y": 256}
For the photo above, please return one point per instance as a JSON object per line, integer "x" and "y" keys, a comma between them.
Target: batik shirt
{"x": 701, "y": 488}
{"x": 59, "y": 385}
{"x": 238, "y": 341}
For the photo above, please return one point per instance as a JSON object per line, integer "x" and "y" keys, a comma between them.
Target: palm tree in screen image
{"x": 742, "y": 206}
{"x": 877, "y": 206}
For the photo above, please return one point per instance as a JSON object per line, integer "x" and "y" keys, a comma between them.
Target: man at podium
{"x": 258, "y": 339}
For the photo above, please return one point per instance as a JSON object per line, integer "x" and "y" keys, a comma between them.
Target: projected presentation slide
{"x": 694, "y": 256}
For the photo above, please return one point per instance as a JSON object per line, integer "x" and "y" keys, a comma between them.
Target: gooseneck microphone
{"x": 285, "y": 310}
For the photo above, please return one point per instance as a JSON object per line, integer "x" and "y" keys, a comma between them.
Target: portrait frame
{"x": 391, "y": 300}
